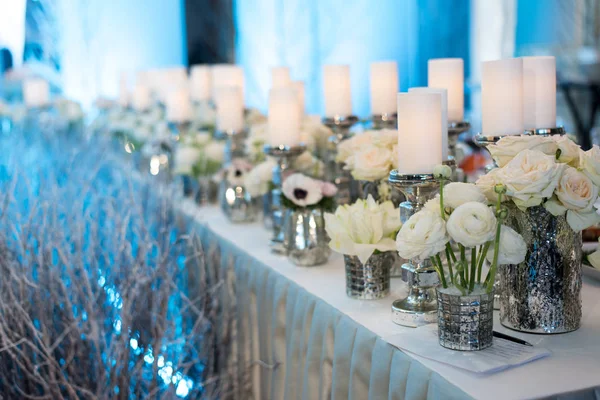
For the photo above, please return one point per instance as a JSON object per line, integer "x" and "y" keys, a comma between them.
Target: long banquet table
{"x": 305, "y": 339}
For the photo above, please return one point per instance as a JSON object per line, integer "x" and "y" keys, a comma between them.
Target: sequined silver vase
{"x": 465, "y": 322}
{"x": 305, "y": 239}
{"x": 236, "y": 203}
{"x": 371, "y": 280}
{"x": 543, "y": 293}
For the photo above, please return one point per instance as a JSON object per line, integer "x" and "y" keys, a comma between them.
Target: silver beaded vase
{"x": 465, "y": 322}
{"x": 543, "y": 293}
{"x": 305, "y": 240}
{"x": 236, "y": 203}
{"x": 371, "y": 280}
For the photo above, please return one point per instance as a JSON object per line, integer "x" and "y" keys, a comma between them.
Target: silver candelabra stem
{"x": 420, "y": 305}
{"x": 285, "y": 156}
{"x": 334, "y": 171}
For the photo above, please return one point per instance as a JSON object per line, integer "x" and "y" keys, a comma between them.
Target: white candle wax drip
{"x": 419, "y": 132}
{"x": 200, "y": 83}
{"x": 448, "y": 73}
{"x": 336, "y": 85}
{"x": 284, "y": 117}
{"x": 502, "y": 97}
{"x": 384, "y": 87}
{"x": 230, "y": 109}
{"x": 539, "y": 92}
{"x": 444, "y": 96}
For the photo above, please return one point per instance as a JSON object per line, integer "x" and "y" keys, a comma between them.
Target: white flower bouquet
{"x": 548, "y": 171}
{"x": 234, "y": 172}
{"x": 461, "y": 213}
{"x": 301, "y": 191}
{"x": 363, "y": 228}
{"x": 199, "y": 155}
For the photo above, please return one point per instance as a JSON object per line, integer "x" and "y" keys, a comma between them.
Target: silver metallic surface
{"x": 543, "y": 293}
{"x": 179, "y": 128}
{"x": 305, "y": 240}
{"x": 207, "y": 190}
{"x": 274, "y": 216}
{"x": 236, "y": 203}
{"x": 235, "y": 146}
{"x": 334, "y": 171}
{"x": 559, "y": 130}
{"x": 385, "y": 121}
{"x": 340, "y": 123}
{"x": 465, "y": 322}
{"x": 369, "y": 281}
{"x": 419, "y": 307}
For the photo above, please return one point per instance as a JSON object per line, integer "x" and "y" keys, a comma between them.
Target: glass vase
{"x": 543, "y": 293}
{"x": 236, "y": 203}
{"x": 371, "y": 280}
{"x": 305, "y": 239}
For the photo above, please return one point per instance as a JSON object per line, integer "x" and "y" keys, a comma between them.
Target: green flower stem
{"x": 449, "y": 258}
{"x": 463, "y": 261}
{"x": 439, "y": 260}
{"x": 442, "y": 212}
{"x": 473, "y": 269}
{"x": 482, "y": 256}
{"x": 439, "y": 270}
{"x": 449, "y": 250}
{"x": 491, "y": 278}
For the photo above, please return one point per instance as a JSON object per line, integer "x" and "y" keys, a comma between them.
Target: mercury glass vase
{"x": 236, "y": 203}
{"x": 207, "y": 190}
{"x": 465, "y": 322}
{"x": 371, "y": 280}
{"x": 305, "y": 239}
{"x": 543, "y": 293}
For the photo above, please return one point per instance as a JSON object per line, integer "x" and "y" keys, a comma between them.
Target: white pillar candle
{"x": 539, "y": 92}
{"x": 179, "y": 106}
{"x": 36, "y": 92}
{"x": 200, "y": 83}
{"x": 448, "y": 73}
{"x": 336, "y": 85}
{"x": 300, "y": 92}
{"x": 384, "y": 87}
{"x": 502, "y": 97}
{"x": 284, "y": 117}
{"x": 419, "y": 132}
{"x": 141, "y": 97}
{"x": 227, "y": 75}
{"x": 280, "y": 77}
{"x": 230, "y": 109}
{"x": 443, "y": 93}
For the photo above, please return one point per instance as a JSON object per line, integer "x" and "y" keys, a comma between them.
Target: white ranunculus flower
{"x": 530, "y": 177}
{"x": 575, "y": 195}
{"x": 472, "y": 224}
{"x": 512, "y": 250}
{"x": 422, "y": 236}
{"x": 302, "y": 190}
{"x": 371, "y": 164}
{"x": 215, "y": 151}
{"x": 486, "y": 184}
{"x": 257, "y": 180}
{"x": 508, "y": 147}
{"x": 569, "y": 150}
{"x": 589, "y": 162}
{"x": 457, "y": 194}
{"x": 185, "y": 158}
{"x": 433, "y": 205}
{"x": 361, "y": 228}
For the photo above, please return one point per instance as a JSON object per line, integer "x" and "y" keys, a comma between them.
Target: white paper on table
{"x": 502, "y": 355}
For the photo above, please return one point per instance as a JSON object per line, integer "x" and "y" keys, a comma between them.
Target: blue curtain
{"x": 305, "y": 34}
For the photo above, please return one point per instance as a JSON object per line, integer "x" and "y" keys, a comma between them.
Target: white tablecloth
{"x": 573, "y": 368}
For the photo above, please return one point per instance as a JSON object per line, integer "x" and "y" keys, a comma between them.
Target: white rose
{"x": 569, "y": 150}
{"x": 302, "y": 190}
{"x": 384, "y": 138}
{"x": 530, "y": 177}
{"x": 315, "y": 133}
{"x": 590, "y": 163}
{"x": 348, "y": 147}
{"x": 575, "y": 195}
{"x": 185, "y": 158}
{"x": 486, "y": 184}
{"x": 257, "y": 180}
{"x": 215, "y": 151}
{"x": 361, "y": 228}
{"x": 472, "y": 224}
{"x": 309, "y": 165}
{"x": 512, "y": 249}
{"x": 371, "y": 164}
{"x": 422, "y": 236}
{"x": 508, "y": 147}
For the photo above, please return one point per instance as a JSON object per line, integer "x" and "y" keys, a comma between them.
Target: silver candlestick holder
{"x": 484, "y": 141}
{"x": 334, "y": 171}
{"x": 285, "y": 156}
{"x": 420, "y": 305}
{"x": 559, "y": 130}
{"x": 235, "y": 145}
{"x": 384, "y": 121}
{"x": 455, "y": 129}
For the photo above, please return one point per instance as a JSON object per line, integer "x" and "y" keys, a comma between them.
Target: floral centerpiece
{"x": 461, "y": 214}
{"x": 305, "y": 201}
{"x": 364, "y": 233}
{"x": 370, "y": 157}
{"x": 552, "y": 189}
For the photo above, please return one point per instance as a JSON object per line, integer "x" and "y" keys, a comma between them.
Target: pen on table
{"x": 511, "y": 338}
